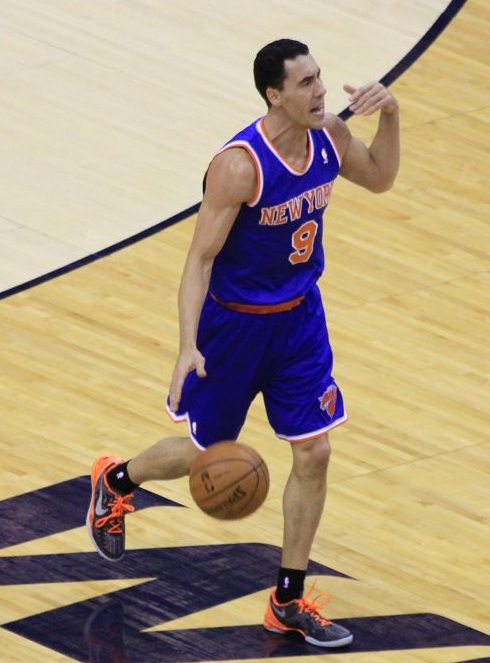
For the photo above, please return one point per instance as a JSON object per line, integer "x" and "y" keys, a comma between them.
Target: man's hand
{"x": 187, "y": 361}
{"x": 369, "y": 98}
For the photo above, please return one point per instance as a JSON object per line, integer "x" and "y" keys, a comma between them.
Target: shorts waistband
{"x": 260, "y": 308}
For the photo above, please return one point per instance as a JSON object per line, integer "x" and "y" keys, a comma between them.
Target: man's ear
{"x": 274, "y": 96}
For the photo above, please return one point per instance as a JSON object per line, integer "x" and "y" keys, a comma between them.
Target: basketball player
{"x": 251, "y": 316}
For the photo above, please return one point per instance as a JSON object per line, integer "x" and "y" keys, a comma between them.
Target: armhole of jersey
{"x": 258, "y": 168}
{"x": 334, "y": 146}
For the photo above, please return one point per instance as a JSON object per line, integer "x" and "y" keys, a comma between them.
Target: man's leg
{"x": 171, "y": 458}
{"x": 304, "y": 500}
{"x": 303, "y": 503}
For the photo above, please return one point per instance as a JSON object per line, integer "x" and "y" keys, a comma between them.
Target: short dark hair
{"x": 269, "y": 68}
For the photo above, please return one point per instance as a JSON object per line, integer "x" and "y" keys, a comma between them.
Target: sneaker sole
{"x": 332, "y": 643}
{"x": 319, "y": 643}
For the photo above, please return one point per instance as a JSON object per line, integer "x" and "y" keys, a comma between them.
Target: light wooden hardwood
{"x": 85, "y": 359}
{"x": 111, "y": 110}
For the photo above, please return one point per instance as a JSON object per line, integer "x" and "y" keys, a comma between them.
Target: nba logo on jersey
{"x": 324, "y": 155}
{"x": 328, "y": 400}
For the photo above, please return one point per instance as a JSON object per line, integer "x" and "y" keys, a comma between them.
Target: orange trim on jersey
{"x": 260, "y": 308}
{"x": 334, "y": 145}
{"x": 293, "y": 169}
{"x": 260, "y": 180}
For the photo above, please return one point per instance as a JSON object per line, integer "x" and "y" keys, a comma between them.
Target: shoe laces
{"x": 118, "y": 508}
{"x": 314, "y": 604}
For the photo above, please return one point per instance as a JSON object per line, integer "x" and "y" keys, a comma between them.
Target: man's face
{"x": 303, "y": 93}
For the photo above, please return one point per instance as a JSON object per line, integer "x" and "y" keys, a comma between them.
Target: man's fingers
{"x": 175, "y": 394}
{"x": 201, "y": 372}
{"x": 180, "y": 373}
{"x": 369, "y": 98}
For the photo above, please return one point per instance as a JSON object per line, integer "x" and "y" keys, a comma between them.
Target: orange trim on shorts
{"x": 260, "y": 308}
{"x": 315, "y": 436}
{"x": 309, "y": 439}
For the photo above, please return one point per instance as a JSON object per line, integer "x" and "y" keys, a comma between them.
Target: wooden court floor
{"x": 404, "y": 544}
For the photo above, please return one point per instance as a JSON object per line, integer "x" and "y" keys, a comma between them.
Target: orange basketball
{"x": 229, "y": 480}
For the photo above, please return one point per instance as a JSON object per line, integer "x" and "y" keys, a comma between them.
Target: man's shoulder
{"x": 333, "y": 123}
{"x": 338, "y": 132}
{"x": 247, "y": 134}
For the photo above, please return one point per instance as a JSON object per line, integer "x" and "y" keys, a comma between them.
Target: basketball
{"x": 229, "y": 480}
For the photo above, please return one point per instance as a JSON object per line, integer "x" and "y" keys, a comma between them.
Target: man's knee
{"x": 311, "y": 457}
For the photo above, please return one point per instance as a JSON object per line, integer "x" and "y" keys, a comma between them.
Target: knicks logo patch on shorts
{"x": 328, "y": 400}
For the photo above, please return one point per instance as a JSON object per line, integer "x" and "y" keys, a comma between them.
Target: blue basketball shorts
{"x": 285, "y": 356}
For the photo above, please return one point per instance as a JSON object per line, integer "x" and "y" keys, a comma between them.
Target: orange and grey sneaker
{"x": 105, "y": 517}
{"x": 302, "y": 616}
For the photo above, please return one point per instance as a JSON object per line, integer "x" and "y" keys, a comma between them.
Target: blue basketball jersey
{"x": 274, "y": 252}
